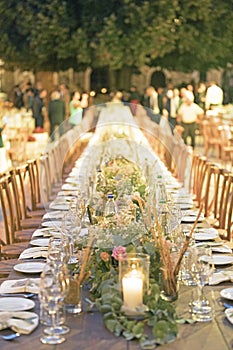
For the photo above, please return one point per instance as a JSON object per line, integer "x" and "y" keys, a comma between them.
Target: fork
{"x": 24, "y": 295}
{"x": 10, "y": 336}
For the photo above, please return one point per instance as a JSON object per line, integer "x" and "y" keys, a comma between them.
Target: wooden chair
{"x": 34, "y": 189}
{"x": 23, "y": 229}
{"x": 216, "y": 179}
{"x": 197, "y": 177}
{"x": 6, "y": 266}
{"x": 24, "y": 219}
{"x": 212, "y": 137}
{"x": 9, "y": 247}
{"x": 18, "y": 140}
{"x": 226, "y": 146}
{"x": 226, "y": 210}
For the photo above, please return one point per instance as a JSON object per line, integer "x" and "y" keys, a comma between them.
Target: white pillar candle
{"x": 132, "y": 284}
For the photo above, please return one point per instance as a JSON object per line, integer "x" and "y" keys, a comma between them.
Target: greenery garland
{"x": 159, "y": 322}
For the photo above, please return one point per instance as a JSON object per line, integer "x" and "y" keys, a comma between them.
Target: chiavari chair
{"x": 199, "y": 166}
{"x": 34, "y": 188}
{"x": 12, "y": 198}
{"x": 24, "y": 219}
{"x": 9, "y": 248}
{"x": 226, "y": 210}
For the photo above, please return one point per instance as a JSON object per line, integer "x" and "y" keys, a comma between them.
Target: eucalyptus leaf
{"x": 118, "y": 329}
{"x": 148, "y": 344}
{"x": 111, "y": 324}
{"x": 185, "y": 320}
{"x": 105, "y": 308}
{"x": 128, "y": 335}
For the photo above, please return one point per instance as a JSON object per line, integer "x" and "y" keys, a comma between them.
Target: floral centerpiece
{"x": 115, "y": 237}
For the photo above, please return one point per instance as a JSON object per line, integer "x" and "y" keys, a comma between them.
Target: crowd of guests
{"x": 54, "y": 107}
{"x": 182, "y": 107}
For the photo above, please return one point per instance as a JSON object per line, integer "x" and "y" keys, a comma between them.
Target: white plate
{"x": 16, "y": 304}
{"x": 173, "y": 186}
{"x": 201, "y": 236}
{"x": 229, "y": 314}
{"x": 70, "y": 187}
{"x": 53, "y": 215}
{"x": 49, "y": 223}
{"x": 217, "y": 259}
{"x": 30, "y": 267}
{"x": 227, "y": 293}
{"x": 208, "y": 230}
{"x": 191, "y": 218}
{"x": 223, "y": 249}
{"x": 59, "y": 206}
{"x": 185, "y": 206}
{"x": 40, "y": 242}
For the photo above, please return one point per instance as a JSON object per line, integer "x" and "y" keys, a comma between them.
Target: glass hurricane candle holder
{"x": 134, "y": 282}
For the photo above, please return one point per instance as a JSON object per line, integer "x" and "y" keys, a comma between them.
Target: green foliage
{"x": 54, "y": 34}
{"x": 160, "y": 316}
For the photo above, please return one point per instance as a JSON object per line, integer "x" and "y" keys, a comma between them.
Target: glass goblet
{"x": 201, "y": 270}
{"x": 51, "y": 294}
{"x": 62, "y": 278}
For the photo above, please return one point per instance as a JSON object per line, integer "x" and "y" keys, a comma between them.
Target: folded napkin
{"x": 56, "y": 214}
{"x": 222, "y": 249}
{"x": 52, "y": 224}
{"x": 60, "y": 206}
{"x": 49, "y": 232}
{"x": 219, "y": 277}
{"x": 24, "y": 285}
{"x": 45, "y": 232}
{"x": 69, "y": 186}
{"x": 67, "y": 193}
{"x": 34, "y": 252}
{"x": 73, "y": 180}
{"x": 23, "y": 322}
{"x": 40, "y": 242}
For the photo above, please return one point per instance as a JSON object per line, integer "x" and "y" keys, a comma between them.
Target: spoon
{"x": 24, "y": 295}
{"x": 228, "y": 306}
{"x": 11, "y": 336}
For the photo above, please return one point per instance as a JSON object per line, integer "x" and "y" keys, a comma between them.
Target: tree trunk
{"x": 124, "y": 78}
{"x": 112, "y": 79}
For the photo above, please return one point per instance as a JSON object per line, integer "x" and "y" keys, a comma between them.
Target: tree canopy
{"x": 58, "y": 34}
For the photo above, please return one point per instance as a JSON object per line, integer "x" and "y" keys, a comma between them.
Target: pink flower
{"x": 104, "y": 256}
{"x": 119, "y": 253}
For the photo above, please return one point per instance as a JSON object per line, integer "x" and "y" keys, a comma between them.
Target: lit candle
{"x": 132, "y": 284}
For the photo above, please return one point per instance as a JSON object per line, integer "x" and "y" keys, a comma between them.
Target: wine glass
{"x": 58, "y": 250}
{"x": 201, "y": 269}
{"x": 70, "y": 228}
{"x": 51, "y": 294}
{"x": 61, "y": 280}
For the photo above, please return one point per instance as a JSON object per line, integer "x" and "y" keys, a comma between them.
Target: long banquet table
{"x": 87, "y": 330}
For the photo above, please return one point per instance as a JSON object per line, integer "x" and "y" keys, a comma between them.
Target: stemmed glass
{"x": 58, "y": 250}
{"x": 54, "y": 286}
{"x": 53, "y": 289}
{"x": 70, "y": 228}
{"x": 201, "y": 269}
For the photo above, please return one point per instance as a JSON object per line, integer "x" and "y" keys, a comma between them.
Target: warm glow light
{"x": 103, "y": 90}
{"x": 92, "y": 93}
{"x": 132, "y": 284}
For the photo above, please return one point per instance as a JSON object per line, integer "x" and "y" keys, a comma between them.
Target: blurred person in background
{"x": 56, "y": 113}
{"x": 170, "y": 105}
{"x": 76, "y": 107}
{"x": 188, "y": 114}
{"x": 65, "y": 97}
{"x": 201, "y": 94}
{"x": 18, "y": 97}
{"x": 38, "y": 109}
{"x": 214, "y": 96}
